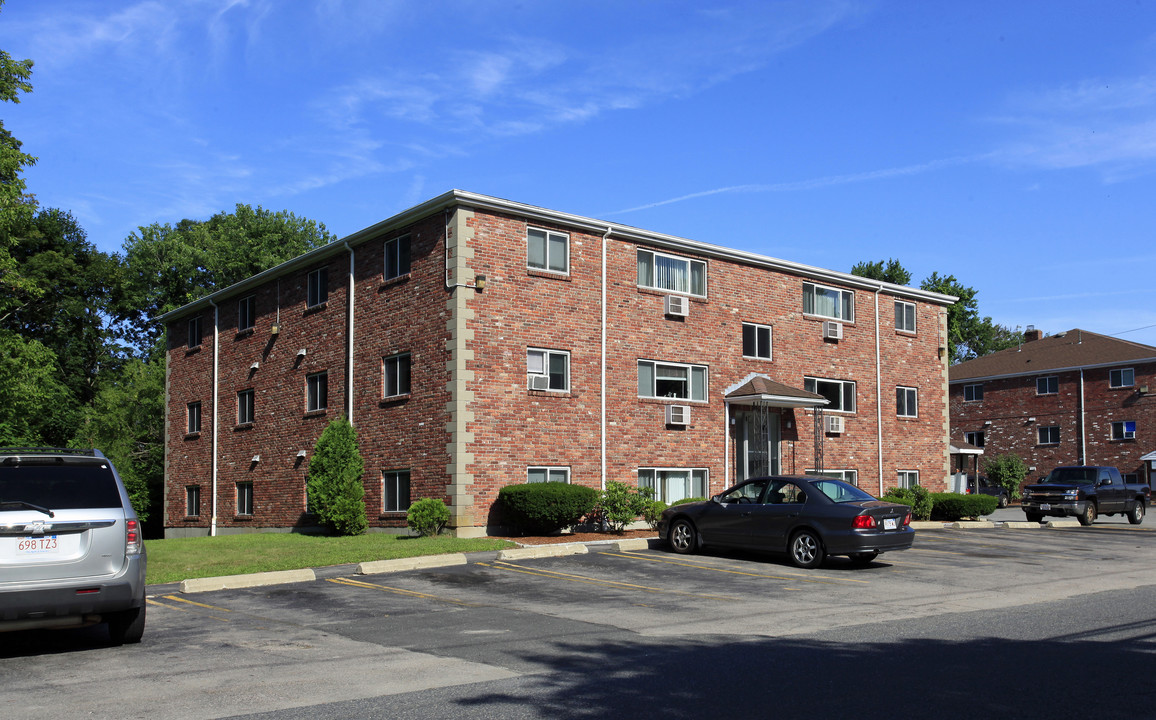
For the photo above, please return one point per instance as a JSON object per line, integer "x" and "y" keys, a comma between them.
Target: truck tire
{"x": 1088, "y": 517}
{"x": 1136, "y": 514}
{"x": 1033, "y": 517}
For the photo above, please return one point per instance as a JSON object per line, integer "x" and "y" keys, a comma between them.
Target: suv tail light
{"x": 132, "y": 539}
{"x": 862, "y": 522}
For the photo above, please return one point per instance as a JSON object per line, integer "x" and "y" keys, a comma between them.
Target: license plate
{"x": 1045, "y": 506}
{"x": 890, "y": 523}
{"x": 39, "y": 545}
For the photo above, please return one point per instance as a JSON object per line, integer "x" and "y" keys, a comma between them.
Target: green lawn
{"x": 181, "y": 559}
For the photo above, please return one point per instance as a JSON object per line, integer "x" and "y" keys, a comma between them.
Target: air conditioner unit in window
{"x": 539, "y": 382}
{"x": 832, "y": 330}
{"x": 678, "y": 305}
{"x": 834, "y": 424}
{"x": 678, "y": 415}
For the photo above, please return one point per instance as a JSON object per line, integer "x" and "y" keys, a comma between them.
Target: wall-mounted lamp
{"x": 986, "y": 423}
{"x": 256, "y": 458}
{"x": 275, "y": 329}
{"x": 301, "y": 454}
{"x": 301, "y": 352}
{"x": 480, "y": 282}
{"x": 1143, "y": 389}
{"x": 1031, "y": 419}
{"x": 256, "y": 364}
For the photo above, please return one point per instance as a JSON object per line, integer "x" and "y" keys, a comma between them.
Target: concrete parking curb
{"x": 422, "y": 562}
{"x": 1063, "y": 523}
{"x": 543, "y": 551}
{"x": 1012, "y": 525}
{"x": 234, "y": 582}
{"x": 971, "y": 525}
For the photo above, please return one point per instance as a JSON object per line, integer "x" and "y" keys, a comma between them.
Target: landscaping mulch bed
{"x": 580, "y": 537}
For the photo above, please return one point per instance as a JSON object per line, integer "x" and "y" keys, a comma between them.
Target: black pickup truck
{"x": 1085, "y": 492}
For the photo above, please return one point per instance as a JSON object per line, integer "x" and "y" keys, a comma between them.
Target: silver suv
{"x": 71, "y": 552}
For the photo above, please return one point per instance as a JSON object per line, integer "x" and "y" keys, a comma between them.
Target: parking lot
{"x": 440, "y": 638}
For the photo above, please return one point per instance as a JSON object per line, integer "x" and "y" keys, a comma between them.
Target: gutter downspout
{"x": 1083, "y": 433}
{"x": 602, "y": 420}
{"x": 216, "y": 405}
{"x": 878, "y": 394}
{"x": 349, "y": 342}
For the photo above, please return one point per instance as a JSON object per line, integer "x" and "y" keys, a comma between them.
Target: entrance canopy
{"x": 761, "y": 390}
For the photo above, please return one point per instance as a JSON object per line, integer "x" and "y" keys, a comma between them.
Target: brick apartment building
{"x": 1071, "y": 398}
{"x": 477, "y": 343}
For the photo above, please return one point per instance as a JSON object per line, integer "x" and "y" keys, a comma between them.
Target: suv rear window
{"x": 49, "y": 483}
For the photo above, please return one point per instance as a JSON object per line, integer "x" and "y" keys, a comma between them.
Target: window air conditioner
{"x": 539, "y": 382}
{"x": 834, "y": 424}
{"x": 832, "y": 330}
{"x": 678, "y": 305}
{"x": 677, "y": 414}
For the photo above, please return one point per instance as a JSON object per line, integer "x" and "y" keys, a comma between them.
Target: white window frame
{"x": 193, "y": 417}
{"x": 392, "y": 479}
{"x": 548, "y": 239}
{"x": 246, "y": 313}
{"x": 550, "y": 472}
{"x": 1048, "y": 381}
{"x": 317, "y": 391}
{"x": 246, "y": 409}
{"x": 1052, "y": 431}
{"x": 902, "y": 309}
{"x": 907, "y": 479}
{"x": 397, "y": 258}
{"x": 244, "y": 498}
{"x": 650, "y": 278}
{"x": 317, "y": 287}
{"x": 192, "y": 501}
{"x": 910, "y": 396}
{"x": 697, "y": 481}
{"x": 851, "y": 477}
{"x": 691, "y": 370}
{"x": 1120, "y": 373}
{"x": 845, "y": 303}
{"x": 195, "y": 336}
{"x": 538, "y": 362}
{"x": 971, "y": 437}
{"x": 1124, "y": 433}
{"x": 758, "y": 331}
{"x": 811, "y": 384}
{"x": 397, "y": 362}
{"x": 976, "y": 396}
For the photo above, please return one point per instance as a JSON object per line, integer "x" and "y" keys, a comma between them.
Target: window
{"x": 395, "y": 491}
{"x": 193, "y": 501}
{"x": 195, "y": 332}
{"x": 973, "y": 393}
{"x": 245, "y": 407}
{"x": 194, "y": 414}
{"x": 1130, "y": 478}
{"x": 1124, "y": 377}
{"x": 547, "y": 250}
{"x": 244, "y": 498}
{"x": 554, "y": 364}
{"x": 316, "y": 391}
{"x": 756, "y": 341}
{"x": 318, "y": 287}
{"x": 397, "y": 257}
{"x": 904, "y": 316}
{"x": 547, "y": 474}
{"x": 840, "y": 394}
{"x": 1049, "y": 435}
{"x": 670, "y": 380}
{"x": 667, "y": 272}
{"x": 908, "y": 478}
{"x": 828, "y": 302}
{"x": 906, "y": 402}
{"x": 246, "y": 313}
{"x": 848, "y": 476}
{"x": 1124, "y": 430}
{"x": 395, "y": 375}
{"x": 1048, "y": 385}
{"x": 974, "y": 438}
{"x": 671, "y": 484}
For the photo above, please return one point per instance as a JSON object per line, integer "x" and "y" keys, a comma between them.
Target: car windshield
{"x": 57, "y": 487}
{"x": 840, "y": 491}
{"x": 1071, "y": 475}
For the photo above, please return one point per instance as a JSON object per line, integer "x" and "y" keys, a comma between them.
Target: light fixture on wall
{"x": 256, "y": 364}
{"x": 301, "y": 352}
{"x": 986, "y": 423}
{"x": 275, "y": 329}
{"x": 256, "y": 458}
{"x": 480, "y": 282}
{"x": 1031, "y": 419}
{"x": 301, "y": 454}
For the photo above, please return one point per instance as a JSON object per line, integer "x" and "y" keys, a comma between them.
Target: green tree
{"x": 891, "y": 271}
{"x": 336, "y": 492}
{"x": 1008, "y": 471}
{"x": 968, "y": 335}
{"x": 34, "y": 402}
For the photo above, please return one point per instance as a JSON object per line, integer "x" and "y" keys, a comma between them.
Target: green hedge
{"x": 684, "y": 501}
{"x": 954, "y": 506}
{"x": 542, "y": 508}
{"x": 916, "y": 498}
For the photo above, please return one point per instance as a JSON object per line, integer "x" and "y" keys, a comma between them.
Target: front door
{"x": 756, "y": 443}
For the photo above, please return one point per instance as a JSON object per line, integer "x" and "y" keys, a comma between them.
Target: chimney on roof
{"x": 1032, "y": 334}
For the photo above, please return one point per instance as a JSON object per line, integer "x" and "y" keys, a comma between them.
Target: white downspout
{"x": 878, "y": 394}
{"x": 726, "y": 446}
{"x": 216, "y": 405}
{"x": 602, "y": 450}
{"x": 1083, "y": 433}
{"x": 349, "y": 343}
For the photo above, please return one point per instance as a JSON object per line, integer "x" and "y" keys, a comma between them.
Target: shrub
{"x": 542, "y": 508}
{"x": 620, "y": 504}
{"x": 653, "y": 513}
{"x": 1007, "y": 470}
{"x": 953, "y": 506}
{"x": 428, "y": 517}
{"x": 917, "y": 498}
{"x": 687, "y": 500}
{"x": 336, "y": 492}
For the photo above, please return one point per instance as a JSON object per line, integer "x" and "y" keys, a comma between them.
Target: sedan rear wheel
{"x": 1003, "y": 501}
{"x": 683, "y": 538}
{"x": 806, "y": 549}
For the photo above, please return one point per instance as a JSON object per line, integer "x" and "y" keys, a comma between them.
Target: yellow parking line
{"x": 568, "y": 577}
{"x": 821, "y": 579}
{"x": 174, "y": 598}
{"x": 399, "y": 591}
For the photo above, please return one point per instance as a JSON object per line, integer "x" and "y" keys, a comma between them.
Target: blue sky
{"x": 1010, "y": 144}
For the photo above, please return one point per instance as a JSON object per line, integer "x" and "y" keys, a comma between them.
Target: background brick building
{"x": 477, "y": 343}
{"x": 1071, "y": 398}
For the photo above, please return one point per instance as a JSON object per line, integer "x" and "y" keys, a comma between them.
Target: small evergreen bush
{"x": 917, "y": 498}
{"x": 653, "y": 512}
{"x": 954, "y": 506}
{"x": 427, "y": 517}
{"x": 620, "y": 504}
{"x": 336, "y": 492}
{"x": 1008, "y": 471}
{"x": 543, "y": 508}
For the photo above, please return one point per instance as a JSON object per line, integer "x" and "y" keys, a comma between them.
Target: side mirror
{"x": 716, "y": 498}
